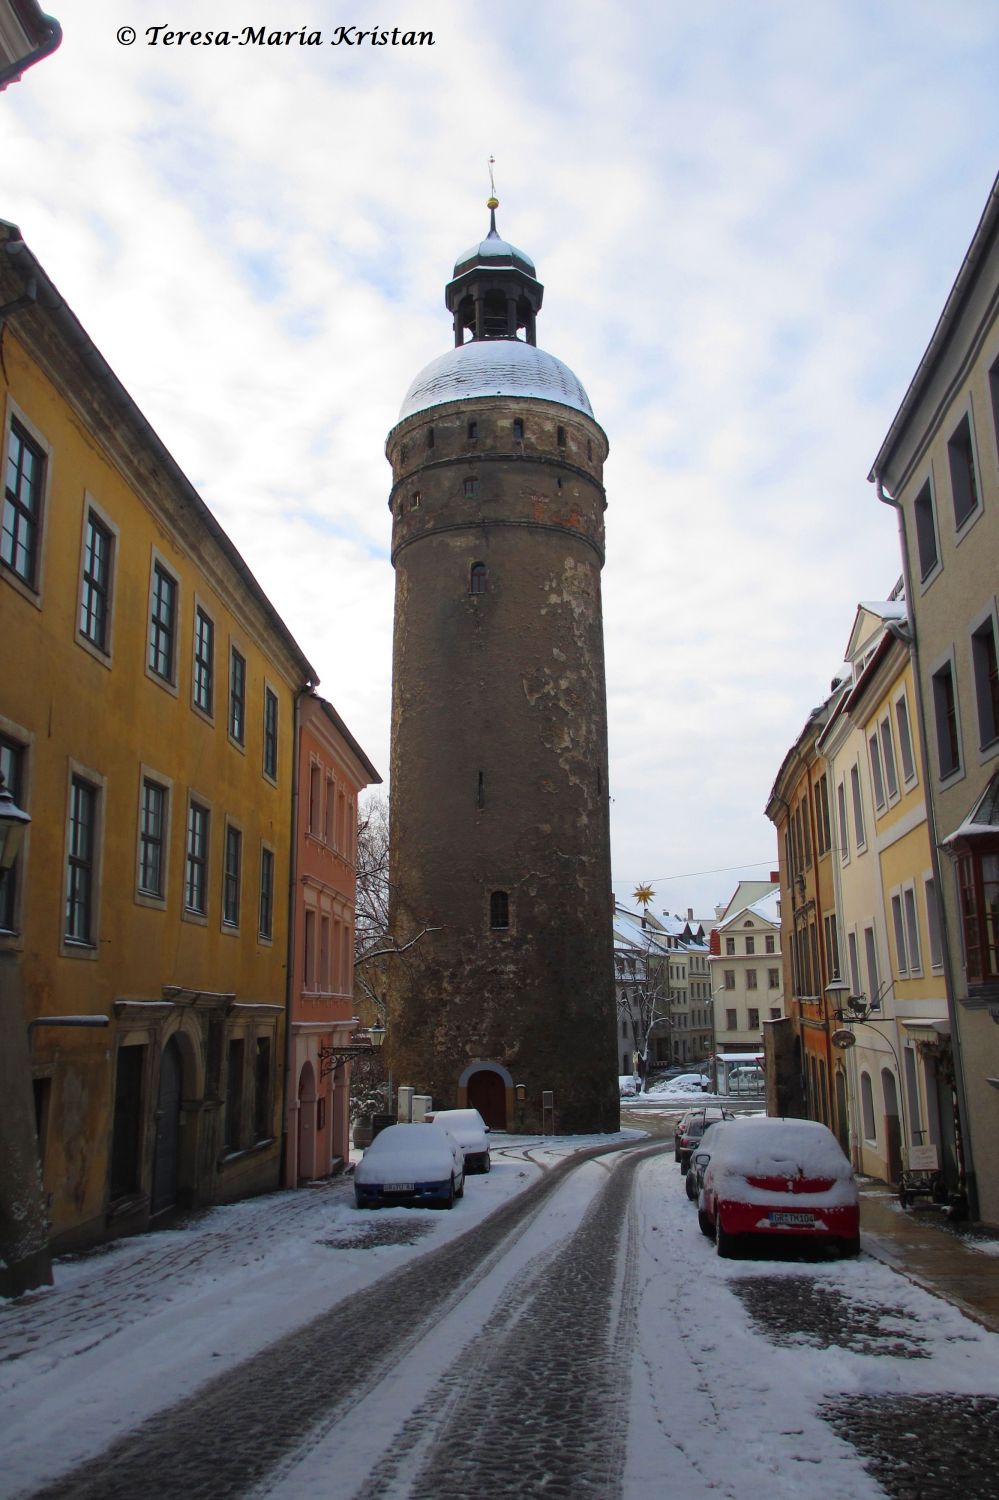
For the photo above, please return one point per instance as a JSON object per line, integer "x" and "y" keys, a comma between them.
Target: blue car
{"x": 420, "y": 1166}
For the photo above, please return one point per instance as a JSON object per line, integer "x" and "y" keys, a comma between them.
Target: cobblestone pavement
{"x": 796, "y": 1310}
{"x": 924, "y": 1447}
{"x": 215, "y": 1444}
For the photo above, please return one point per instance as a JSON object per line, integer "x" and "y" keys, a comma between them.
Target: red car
{"x": 779, "y": 1179}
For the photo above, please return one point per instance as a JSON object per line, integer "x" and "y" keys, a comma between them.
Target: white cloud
{"x": 746, "y": 213}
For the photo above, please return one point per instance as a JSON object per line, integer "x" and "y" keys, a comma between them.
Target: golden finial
{"x": 492, "y": 202}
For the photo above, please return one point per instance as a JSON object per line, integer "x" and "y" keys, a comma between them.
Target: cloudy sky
{"x": 747, "y": 215}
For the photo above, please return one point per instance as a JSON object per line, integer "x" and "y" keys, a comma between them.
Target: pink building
{"x": 332, "y": 770}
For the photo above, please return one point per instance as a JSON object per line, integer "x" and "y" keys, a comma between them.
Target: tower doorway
{"x": 487, "y": 1094}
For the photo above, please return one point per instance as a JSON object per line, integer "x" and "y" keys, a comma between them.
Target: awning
{"x": 921, "y": 1030}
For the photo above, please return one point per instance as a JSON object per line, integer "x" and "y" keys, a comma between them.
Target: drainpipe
{"x": 965, "y": 1158}
{"x": 291, "y": 968}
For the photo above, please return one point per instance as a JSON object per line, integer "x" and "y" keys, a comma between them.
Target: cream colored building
{"x": 886, "y": 926}
{"x": 746, "y": 974}
{"x": 939, "y": 468}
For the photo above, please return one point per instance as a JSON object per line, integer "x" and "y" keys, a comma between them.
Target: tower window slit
{"x": 518, "y": 429}
{"x": 430, "y": 437}
{"x": 499, "y": 910}
{"x": 473, "y": 431}
{"x": 561, "y": 437}
{"x": 480, "y": 797}
{"x": 478, "y": 579}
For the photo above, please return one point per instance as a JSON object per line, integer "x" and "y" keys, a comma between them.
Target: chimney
{"x": 690, "y": 913}
{"x": 775, "y": 877}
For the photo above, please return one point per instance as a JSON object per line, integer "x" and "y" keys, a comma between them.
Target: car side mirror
{"x": 702, "y": 1158}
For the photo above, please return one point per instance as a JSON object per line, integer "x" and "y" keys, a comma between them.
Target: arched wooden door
{"x": 166, "y": 1151}
{"x": 487, "y": 1094}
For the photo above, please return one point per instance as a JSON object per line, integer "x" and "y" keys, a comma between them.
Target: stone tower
{"x": 499, "y": 803}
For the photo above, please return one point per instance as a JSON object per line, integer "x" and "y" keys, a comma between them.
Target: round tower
{"x": 500, "y": 849}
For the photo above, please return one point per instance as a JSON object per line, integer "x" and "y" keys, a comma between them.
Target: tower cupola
{"x": 495, "y": 291}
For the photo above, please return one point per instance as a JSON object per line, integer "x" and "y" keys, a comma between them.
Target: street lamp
{"x": 363, "y": 1043}
{"x": 13, "y": 826}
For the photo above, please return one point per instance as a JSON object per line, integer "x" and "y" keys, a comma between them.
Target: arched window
{"x": 867, "y": 1107}
{"x": 477, "y": 579}
{"x": 499, "y": 910}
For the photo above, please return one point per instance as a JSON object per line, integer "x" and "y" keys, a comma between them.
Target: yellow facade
{"x": 99, "y": 724}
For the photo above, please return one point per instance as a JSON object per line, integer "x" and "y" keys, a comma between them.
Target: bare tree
{"x": 643, "y": 994}
{"x": 375, "y": 946}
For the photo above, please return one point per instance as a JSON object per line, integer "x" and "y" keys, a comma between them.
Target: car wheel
{"x": 488, "y": 1166}
{"x": 449, "y": 1200}
{"x": 690, "y": 1183}
{"x": 461, "y": 1191}
{"x": 851, "y": 1246}
{"x": 705, "y": 1225}
{"x": 727, "y": 1243}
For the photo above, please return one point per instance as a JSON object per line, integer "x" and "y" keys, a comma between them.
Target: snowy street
{"x": 582, "y": 1339}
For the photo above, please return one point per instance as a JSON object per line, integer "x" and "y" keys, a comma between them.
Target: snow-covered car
{"x": 470, "y": 1131}
{"x": 628, "y": 1085}
{"x": 746, "y": 1082}
{"x": 419, "y": 1165}
{"x": 694, "y": 1123}
{"x": 777, "y": 1178}
{"x": 686, "y": 1083}
{"x": 700, "y": 1157}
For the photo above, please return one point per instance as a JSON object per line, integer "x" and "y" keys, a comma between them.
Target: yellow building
{"x": 147, "y": 719}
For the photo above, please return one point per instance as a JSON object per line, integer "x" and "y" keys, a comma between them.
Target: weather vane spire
{"x": 492, "y": 202}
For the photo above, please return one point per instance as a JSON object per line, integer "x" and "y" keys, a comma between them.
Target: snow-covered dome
{"x": 495, "y": 367}
{"x": 494, "y": 251}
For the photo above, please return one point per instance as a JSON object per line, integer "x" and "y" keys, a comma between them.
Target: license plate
{"x": 399, "y": 1187}
{"x": 780, "y": 1216}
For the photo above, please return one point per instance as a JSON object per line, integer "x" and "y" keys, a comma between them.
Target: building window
{"x": 730, "y": 979}
{"x": 933, "y": 924}
{"x": 854, "y": 958}
{"x": 731, "y": 1021}
{"x": 898, "y": 924}
{"x": 877, "y": 775}
{"x": 560, "y": 437}
{"x": 234, "y": 1097}
{"x": 750, "y": 979}
{"x": 329, "y": 811}
{"x": 905, "y": 740}
{"x": 22, "y": 505}
{"x": 867, "y": 1107}
{"x": 265, "y": 922}
{"x": 81, "y": 852}
{"x": 196, "y": 860}
{"x": 873, "y": 974}
{"x": 12, "y": 767}
{"x": 309, "y": 950}
{"x": 775, "y": 1014}
{"x": 844, "y": 836}
{"x": 162, "y": 623}
{"x": 499, "y": 910}
{"x": 945, "y": 715}
{"x": 414, "y": 500}
{"x": 95, "y": 589}
{"x": 430, "y": 437}
{"x": 730, "y": 946}
{"x": 832, "y": 944}
{"x": 270, "y": 734}
{"x": 888, "y": 754}
{"x": 518, "y": 429}
{"x": 237, "y": 696}
{"x": 473, "y": 431}
{"x": 754, "y": 1019}
{"x": 478, "y": 579}
{"x": 204, "y": 661}
{"x": 152, "y": 838}
{"x": 324, "y": 954}
{"x": 926, "y": 531}
{"x": 773, "y": 979}
{"x": 471, "y": 488}
{"x": 231, "y": 876}
{"x": 963, "y": 478}
{"x": 262, "y": 1125}
{"x": 315, "y": 784}
{"x": 858, "y": 806}
{"x": 978, "y": 887}
{"x": 770, "y": 943}
{"x": 912, "y": 930}
{"x": 983, "y": 658}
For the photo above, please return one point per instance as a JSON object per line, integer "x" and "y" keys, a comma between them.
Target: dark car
{"x": 694, "y": 1179}
{"x": 695, "y": 1123}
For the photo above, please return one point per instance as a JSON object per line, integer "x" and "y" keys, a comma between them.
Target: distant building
{"x": 938, "y": 467}
{"x": 746, "y": 974}
{"x": 332, "y": 770}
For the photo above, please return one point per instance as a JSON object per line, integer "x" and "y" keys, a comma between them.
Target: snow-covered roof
{"x": 766, "y": 907}
{"x": 983, "y": 817}
{"x": 495, "y": 367}
{"x": 493, "y": 249}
